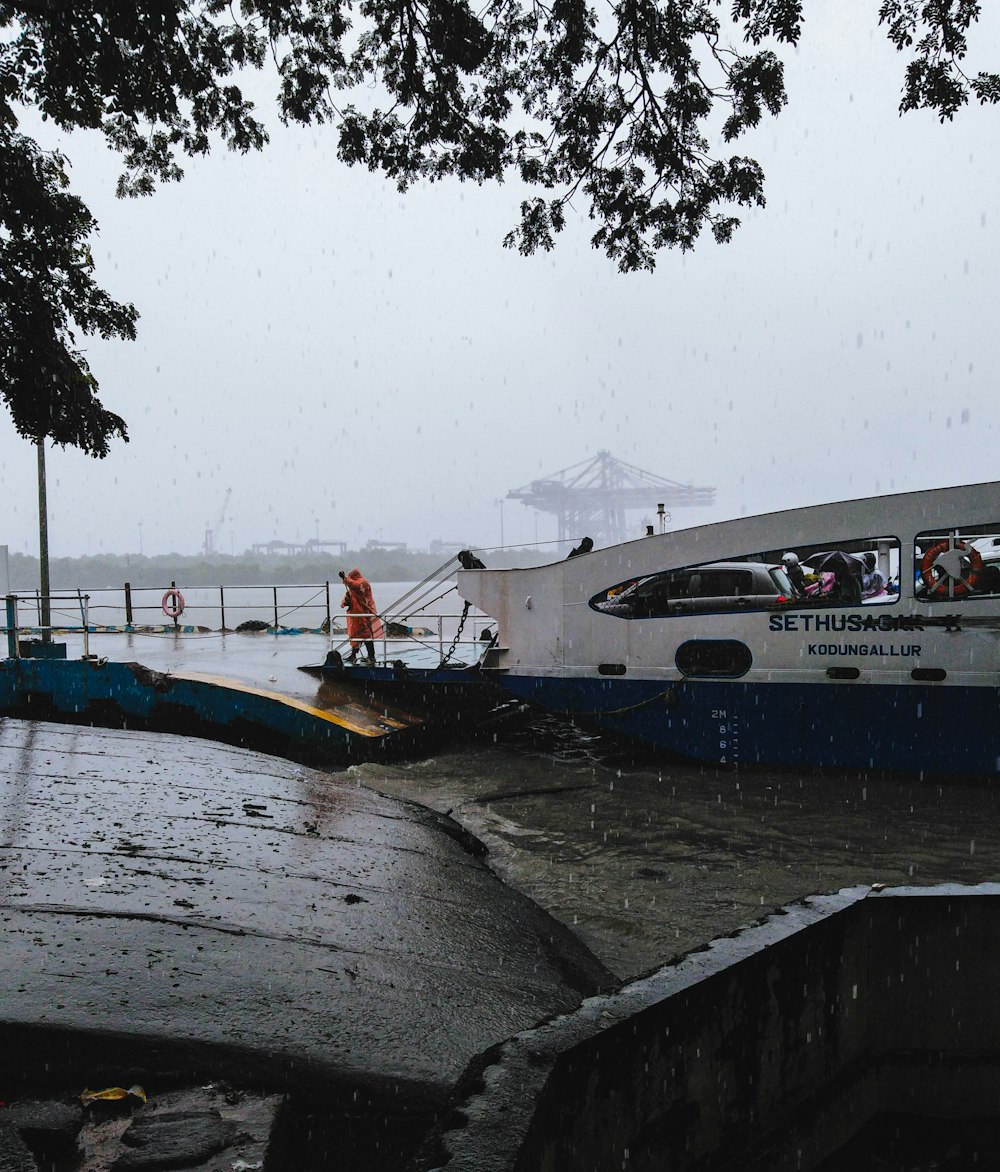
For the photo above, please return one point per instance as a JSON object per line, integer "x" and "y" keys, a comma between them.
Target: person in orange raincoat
{"x": 363, "y": 624}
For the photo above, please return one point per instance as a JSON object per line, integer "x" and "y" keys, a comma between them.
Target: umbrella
{"x": 834, "y": 560}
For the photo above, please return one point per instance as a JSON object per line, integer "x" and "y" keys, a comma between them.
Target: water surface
{"x": 646, "y": 862}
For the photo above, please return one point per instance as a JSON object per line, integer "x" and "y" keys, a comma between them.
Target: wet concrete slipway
{"x": 175, "y": 912}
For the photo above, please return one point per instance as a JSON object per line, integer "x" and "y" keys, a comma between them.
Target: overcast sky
{"x": 356, "y": 364}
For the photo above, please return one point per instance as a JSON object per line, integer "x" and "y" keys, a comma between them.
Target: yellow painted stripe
{"x": 319, "y": 713}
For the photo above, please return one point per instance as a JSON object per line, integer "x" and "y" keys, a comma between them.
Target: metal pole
{"x": 128, "y": 604}
{"x": 222, "y": 606}
{"x": 86, "y": 626}
{"x": 329, "y": 620}
{"x": 13, "y": 650}
{"x": 45, "y": 611}
{"x": 275, "y": 590}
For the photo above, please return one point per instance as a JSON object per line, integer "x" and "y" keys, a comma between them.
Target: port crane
{"x": 594, "y": 497}
{"x": 210, "y": 531}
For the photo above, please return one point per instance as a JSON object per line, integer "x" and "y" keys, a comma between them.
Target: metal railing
{"x": 14, "y": 627}
{"x": 415, "y": 619}
{"x": 441, "y": 637}
{"x": 222, "y": 608}
{"x": 278, "y": 602}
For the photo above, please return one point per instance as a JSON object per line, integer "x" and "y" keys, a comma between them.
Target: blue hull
{"x": 117, "y": 695}
{"x": 924, "y": 730}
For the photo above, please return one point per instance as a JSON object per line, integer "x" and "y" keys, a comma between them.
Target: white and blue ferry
{"x": 863, "y": 634}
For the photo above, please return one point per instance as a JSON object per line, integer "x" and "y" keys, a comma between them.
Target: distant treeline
{"x": 107, "y": 571}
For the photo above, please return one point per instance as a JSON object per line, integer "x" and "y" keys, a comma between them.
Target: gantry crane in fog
{"x": 592, "y": 498}
{"x": 213, "y": 534}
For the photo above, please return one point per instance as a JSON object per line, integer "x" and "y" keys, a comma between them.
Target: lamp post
{"x": 45, "y": 609}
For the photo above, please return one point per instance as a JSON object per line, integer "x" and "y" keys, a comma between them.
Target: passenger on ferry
{"x": 846, "y": 587}
{"x": 585, "y": 546}
{"x": 363, "y": 624}
{"x": 795, "y": 572}
{"x": 824, "y": 585}
{"x": 872, "y": 578}
{"x": 468, "y": 560}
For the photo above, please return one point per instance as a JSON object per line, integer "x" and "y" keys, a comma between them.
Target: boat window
{"x": 713, "y": 657}
{"x": 957, "y": 565}
{"x": 928, "y": 673}
{"x": 858, "y": 572}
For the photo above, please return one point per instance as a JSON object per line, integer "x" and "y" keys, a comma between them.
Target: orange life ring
{"x": 173, "y": 603}
{"x": 959, "y": 586}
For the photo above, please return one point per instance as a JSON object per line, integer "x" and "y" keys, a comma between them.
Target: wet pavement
{"x": 295, "y": 927}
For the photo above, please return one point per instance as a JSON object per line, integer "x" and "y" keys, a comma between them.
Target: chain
{"x": 458, "y": 634}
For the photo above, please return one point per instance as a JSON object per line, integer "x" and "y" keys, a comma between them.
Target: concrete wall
{"x": 769, "y": 1049}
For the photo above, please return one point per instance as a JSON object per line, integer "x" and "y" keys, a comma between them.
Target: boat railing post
{"x": 13, "y": 648}
{"x": 329, "y": 619}
{"x": 883, "y": 562}
{"x": 440, "y": 636}
{"x": 274, "y": 591}
{"x": 128, "y": 604}
{"x": 222, "y": 607}
{"x": 85, "y": 611}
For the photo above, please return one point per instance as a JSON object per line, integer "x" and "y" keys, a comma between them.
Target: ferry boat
{"x": 863, "y": 634}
